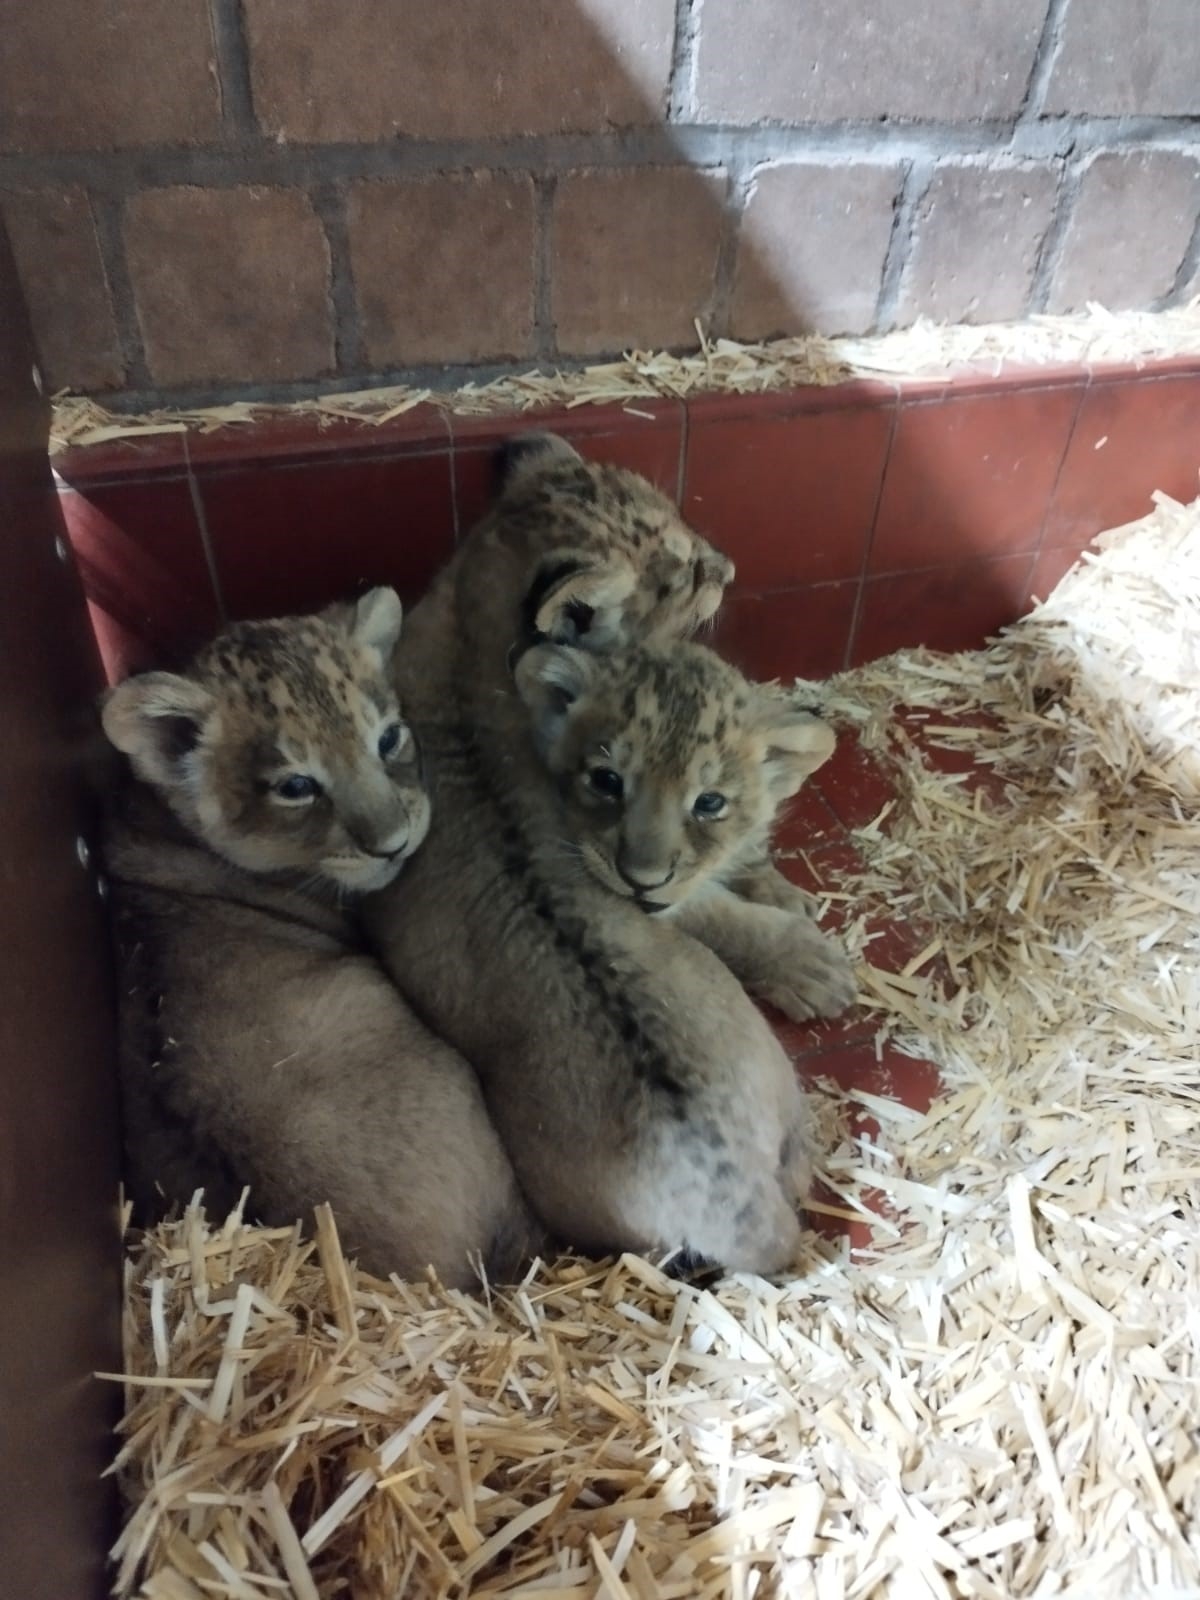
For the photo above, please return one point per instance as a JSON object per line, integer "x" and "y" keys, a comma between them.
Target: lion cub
{"x": 643, "y": 1098}
{"x": 576, "y": 553}
{"x": 671, "y": 767}
{"x": 260, "y": 1044}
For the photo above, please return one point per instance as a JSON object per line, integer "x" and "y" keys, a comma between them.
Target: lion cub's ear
{"x": 374, "y": 622}
{"x": 526, "y": 454}
{"x": 796, "y": 744}
{"x": 575, "y": 599}
{"x": 549, "y": 680}
{"x": 156, "y": 720}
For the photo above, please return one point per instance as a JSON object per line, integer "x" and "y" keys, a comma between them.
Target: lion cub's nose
{"x": 642, "y": 879}
{"x": 381, "y": 847}
{"x": 394, "y": 844}
{"x": 389, "y": 852}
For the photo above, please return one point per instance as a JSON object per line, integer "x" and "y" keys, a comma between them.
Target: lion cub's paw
{"x": 811, "y": 975}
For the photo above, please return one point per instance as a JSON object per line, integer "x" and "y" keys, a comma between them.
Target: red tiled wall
{"x": 862, "y": 517}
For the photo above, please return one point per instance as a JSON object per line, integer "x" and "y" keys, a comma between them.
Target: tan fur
{"x": 261, "y": 1044}
{"x": 642, "y": 1097}
{"x": 670, "y": 767}
{"x": 587, "y": 555}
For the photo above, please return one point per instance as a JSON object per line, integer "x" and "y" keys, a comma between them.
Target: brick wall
{"x": 218, "y": 197}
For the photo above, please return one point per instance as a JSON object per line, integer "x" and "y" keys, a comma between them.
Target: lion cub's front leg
{"x": 780, "y": 957}
{"x": 762, "y": 884}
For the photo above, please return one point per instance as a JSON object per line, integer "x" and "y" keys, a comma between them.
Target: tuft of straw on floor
{"x": 1002, "y": 1399}
{"x": 722, "y": 366}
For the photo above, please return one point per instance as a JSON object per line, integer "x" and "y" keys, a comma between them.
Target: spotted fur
{"x": 695, "y": 762}
{"x": 701, "y": 758}
{"x": 600, "y": 557}
{"x": 261, "y": 1045}
{"x": 266, "y": 703}
{"x": 644, "y": 1101}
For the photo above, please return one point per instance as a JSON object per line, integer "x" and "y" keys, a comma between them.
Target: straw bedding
{"x": 717, "y": 366}
{"x": 1001, "y": 1399}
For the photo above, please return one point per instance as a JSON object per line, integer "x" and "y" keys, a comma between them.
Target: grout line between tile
{"x": 990, "y": 386}
{"x": 108, "y": 219}
{"x": 717, "y": 316}
{"x": 868, "y": 547}
{"x": 771, "y": 591}
{"x": 1027, "y": 585}
{"x": 826, "y": 1047}
{"x": 233, "y": 71}
{"x": 1058, "y": 471}
{"x": 329, "y": 202}
{"x": 1131, "y": 376}
{"x": 452, "y": 460}
{"x": 206, "y": 541}
{"x": 86, "y": 483}
{"x": 545, "y": 325}
{"x": 1187, "y": 274}
{"x": 1054, "y": 239}
{"x": 914, "y": 185}
{"x": 681, "y": 88}
{"x": 685, "y": 441}
{"x": 942, "y": 566}
{"x": 1045, "y": 56}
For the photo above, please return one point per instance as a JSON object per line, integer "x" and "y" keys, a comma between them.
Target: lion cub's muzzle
{"x": 379, "y": 842}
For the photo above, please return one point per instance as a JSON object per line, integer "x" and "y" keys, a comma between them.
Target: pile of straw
{"x": 720, "y": 366}
{"x": 1001, "y": 1399}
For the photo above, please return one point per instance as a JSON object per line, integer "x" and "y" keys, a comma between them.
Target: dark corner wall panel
{"x": 59, "y": 1241}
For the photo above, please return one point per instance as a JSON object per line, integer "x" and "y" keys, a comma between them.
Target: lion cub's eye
{"x": 297, "y": 789}
{"x": 391, "y": 739}
{"x": 710, "y": 805}
{"x": 609, "y": 785}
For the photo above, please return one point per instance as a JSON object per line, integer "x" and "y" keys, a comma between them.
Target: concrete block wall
{"x": 221, "y": 198}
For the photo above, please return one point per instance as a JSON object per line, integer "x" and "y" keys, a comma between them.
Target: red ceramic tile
{"x": 1187, "y": 363}
{"x": 790, "y": 633}
{"x": 856, "y": 394}
{"x": 1132, "y": 436}
{"x": 122, "y": 652}
{"x": 890, "y": 1075}
{"x": 805, "y": 1041}
{"x": 892, "y": 944}
{"x": 142, "y": 560}
{"x": 985, "y": 379}
{"x": 791, "y": 499}
{"x": 1048, "y": 568}
{"x": 294, "y": 538}
{"x": 947, "y": 608}
{"x": 625, "y": 419}
{"x": 856, "y": 786}
{"x": 646, "y": 437}
{"x": 971, "y": 476}
{"x": 807, "y": 822}
{"x": 820, "y": 862}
